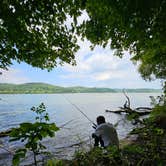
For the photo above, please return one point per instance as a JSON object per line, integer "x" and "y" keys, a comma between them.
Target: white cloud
{"x": 110, "y": 75}
{"x": 100, "y": 68}
{"x": 13, "y": 76}
{"x": 99, "y": 64}
{"x": 102, "y": 76}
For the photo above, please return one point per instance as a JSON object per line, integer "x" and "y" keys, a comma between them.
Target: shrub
{"x": 32, "y": 134}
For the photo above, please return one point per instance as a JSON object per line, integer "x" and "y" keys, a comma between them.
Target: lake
{"x": 15, "y": 109}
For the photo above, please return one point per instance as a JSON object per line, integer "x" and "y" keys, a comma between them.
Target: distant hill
{"x": 41, "y": 88}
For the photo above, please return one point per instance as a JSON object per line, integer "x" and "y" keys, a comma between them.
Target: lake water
{"x": 15, "y": 109}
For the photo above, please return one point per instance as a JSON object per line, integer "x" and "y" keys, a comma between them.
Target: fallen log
{"x": 129, "y": 112}
{"x": 143, "y": 108}
{"x": 117, "y": 111}
{"x": 140, "y": 111}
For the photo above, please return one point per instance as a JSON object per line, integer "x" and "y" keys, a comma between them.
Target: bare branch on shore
{"x": 126, "y": 109}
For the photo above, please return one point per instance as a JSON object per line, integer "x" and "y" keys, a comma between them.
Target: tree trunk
{"x": 34, "y": 157}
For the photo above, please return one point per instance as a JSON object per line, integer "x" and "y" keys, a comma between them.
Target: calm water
{"x": 15, "y": 109}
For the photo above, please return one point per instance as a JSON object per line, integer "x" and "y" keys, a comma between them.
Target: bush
{"x": 32, "y": 134}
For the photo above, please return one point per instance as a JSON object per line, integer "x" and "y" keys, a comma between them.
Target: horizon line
{"x": 77, "y": 85}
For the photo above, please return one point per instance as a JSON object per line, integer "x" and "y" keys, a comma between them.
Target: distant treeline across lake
{"x": 42, "y": 88}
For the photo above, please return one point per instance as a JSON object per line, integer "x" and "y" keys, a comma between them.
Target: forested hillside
{"x": 39, "y": 88}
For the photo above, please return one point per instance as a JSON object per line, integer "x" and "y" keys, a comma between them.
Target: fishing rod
{"x": 78, "y": 109}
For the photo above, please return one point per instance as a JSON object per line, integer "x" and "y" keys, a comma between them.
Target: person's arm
{"x": 98, "y": 132}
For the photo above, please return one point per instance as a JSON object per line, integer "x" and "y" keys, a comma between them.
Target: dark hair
{"x": 100, "y": 119}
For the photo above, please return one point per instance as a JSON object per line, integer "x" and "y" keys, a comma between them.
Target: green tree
{"x": 35, "y": 32}
{"x": 136, "y": 26}
{"x": 32, "y": 134}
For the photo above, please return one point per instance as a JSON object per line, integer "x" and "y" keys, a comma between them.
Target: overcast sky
{"x": 97, "y": 68}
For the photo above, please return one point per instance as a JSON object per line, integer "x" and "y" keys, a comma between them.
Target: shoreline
{"x": 6, "y": 156}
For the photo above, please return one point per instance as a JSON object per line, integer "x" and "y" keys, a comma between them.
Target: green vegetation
{"x": 35, "y": 32}
{"x": 40, "y": 34}
{"x": 148, "y": 149}
{"x": 39, "y": 88}
{"x": 30, "y": 88}
{"x": 136, "y": 26}
{"x": 32, "y": 134}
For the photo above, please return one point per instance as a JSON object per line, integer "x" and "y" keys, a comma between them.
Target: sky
{"x": 97, "y": 68}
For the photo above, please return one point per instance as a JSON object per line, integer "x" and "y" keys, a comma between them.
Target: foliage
{"x": 164, "y": 88}
{"x": 39, "y": 33}
{"x": 54, "y": 162}
{"x": 35, "y": 32}
{"x": 152, "y": 135}
{"x": 20, "y": 153}
{"x": 32, "y": 134}
{"x": 132, "y": 116}
{"x": 147, "y": 149}
{"x": 130, "y": 25}
{"x": 158, "y": 111}
{"x": 158, "y": 115}
{"x": 158, "y": 101}
{"x": 98, "y": 156}
{"x": 144, "y": 152}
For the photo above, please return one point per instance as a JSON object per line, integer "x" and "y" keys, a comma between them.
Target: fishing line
{"x": 78, "y": 109}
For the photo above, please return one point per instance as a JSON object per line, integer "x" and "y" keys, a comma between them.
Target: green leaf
{"x": 20, "y": 153}
{"x": 33, "y": 133}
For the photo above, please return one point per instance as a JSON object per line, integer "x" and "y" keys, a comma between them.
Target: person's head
{"x": 100, "y": 120}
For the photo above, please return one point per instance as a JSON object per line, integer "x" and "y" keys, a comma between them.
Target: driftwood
{"x": 143, "y": 108}
{"x": 128, "y": 110}
{"x": 127, "y": 103}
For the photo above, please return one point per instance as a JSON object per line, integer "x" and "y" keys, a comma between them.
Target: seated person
{"x": 105, "y": 133}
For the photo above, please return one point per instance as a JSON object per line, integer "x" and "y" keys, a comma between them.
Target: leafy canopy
{"x": 137, "y": 26}
{"x": 35, "y": 32}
